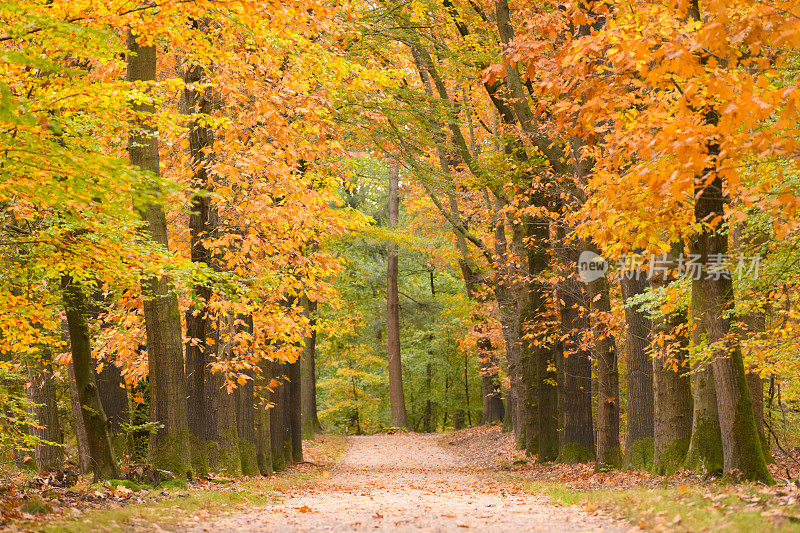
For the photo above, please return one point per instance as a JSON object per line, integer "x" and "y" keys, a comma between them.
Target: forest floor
{"x": 408, "y": 482}
{"x": 472, "y": 479}
{"x": 682, "y": 502}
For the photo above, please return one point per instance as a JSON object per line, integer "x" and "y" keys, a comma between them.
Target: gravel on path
{"x": 407, "y": 482}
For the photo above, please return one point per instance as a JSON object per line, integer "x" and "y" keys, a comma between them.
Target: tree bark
{"x": 428, "y": 416}
{"x": 540, "y": 374}
{"x": 671, "y": 389}
{"x": 639, "y": 377}
{"x": 508, "y": 312}
{"x": 224, "y": 441}
{"x": 528, "y": 297}
{"x": 286, "y": 412}
{"x": 577, "y": 445}
{"x": 752, "y": 325}
{"x": 295, "y": 407}
{"x": 278, "y": 428}
{"x": 308, "y": 379}
{"x": 114, "y": 396}
{"x": 396, "y": 397}
{"x": 246, "y": 408}
{"x": 246, "y": 428}
{"x": 203, "y": 225}
{"x": 609, "y": 451}
{"x": 262, "y": 420}
{"x": 42, "y": 392}
{"x": 101, "y": 455}
{"x": 577, "y": 441}
{"x": 169, "y": 445}
{"x": 110, "y": 383}
{"x": 756, "y": 386}
{"x": 705, "y": 446}
{"x": 492, "y": 404}
{"x": 741, "y": 442}
{"x": 81, "y": 440}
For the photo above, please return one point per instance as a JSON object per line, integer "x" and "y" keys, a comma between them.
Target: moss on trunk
{"x": 575, "y": 453}
{"x": 639, "y": 455}
{"x": 199, "y": 456}
{"x": 705, "y": 449}
{"x": 671, "y": 457}
{"x": 247, "y": 458}
{"x": 169, "y": 454}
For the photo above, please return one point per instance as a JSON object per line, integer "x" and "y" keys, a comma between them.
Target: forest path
{"x": 407, "y": 483}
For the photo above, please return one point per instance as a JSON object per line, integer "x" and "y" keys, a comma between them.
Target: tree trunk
{"x": 396, "y": 397}
{"x": 741, "y": 442}
{"x": 224, "y": 454}
{"x": 493, "y": 409}
{"x": 42, "y": 392}
{"x": 101, "y": 455}
{"x": 578, "y": 438}
{"x": 671, "y": 390}
{"x": 531, "y": 403}
{"x": 609, "y": 451}
{"x": 639, "y": 377}
{"x": 527, "y": 302}
{"x": 558, "y": 353}
{"x": 547, "y": 399}
{"x": 428, "y": 417}
{"x": 203, "y": 225}
{"x": 278, "y": 429}
{"x": 246, "y": 428}
{"x": 577, "y": 441}
{"x": 525, "y": 414}
{"x": 114, "y": 397}
{"x": 466, "y": 390}
{"x": 308, "y": 379}
{"x": 705, "y": 446}
{"x": 262, "y": 419}
{"x": 110, "y": 384}
{"x": 756, "y": 386}
{"x": 223, "y": 404}
{"x": 459, "y": 420}
{"x": 169, "y": 445}
{"x": 286, "y": 411}
{"x": 509, "y": 322}
{"x": 81, "y": 440}
{"x": 246, "y": 405}
{"x": 752, "y": 325}
{"x": 295, "y": 407}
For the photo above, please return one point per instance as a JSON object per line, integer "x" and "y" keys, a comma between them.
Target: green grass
{"x": 716, "y": 507}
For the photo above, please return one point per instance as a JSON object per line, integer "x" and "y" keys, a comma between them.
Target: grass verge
{"x": 184, "y": 507}
{"x": 713, "y": 507}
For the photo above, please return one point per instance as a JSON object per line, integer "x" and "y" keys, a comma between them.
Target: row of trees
{"x": 166, "y": 191}
{"x": 655, "y": 134}
{"x": 439, "y": 371}
{"x": 172, "y": 184}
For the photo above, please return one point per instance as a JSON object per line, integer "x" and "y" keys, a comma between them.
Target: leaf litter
{"x": 412, "y": 482}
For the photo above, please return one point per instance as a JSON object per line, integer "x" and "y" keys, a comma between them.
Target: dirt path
{"x": 407, "y": 483}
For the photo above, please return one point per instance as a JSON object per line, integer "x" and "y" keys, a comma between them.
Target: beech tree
{"x": 528, "y": 137}
{"x": 398, "y": 402}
